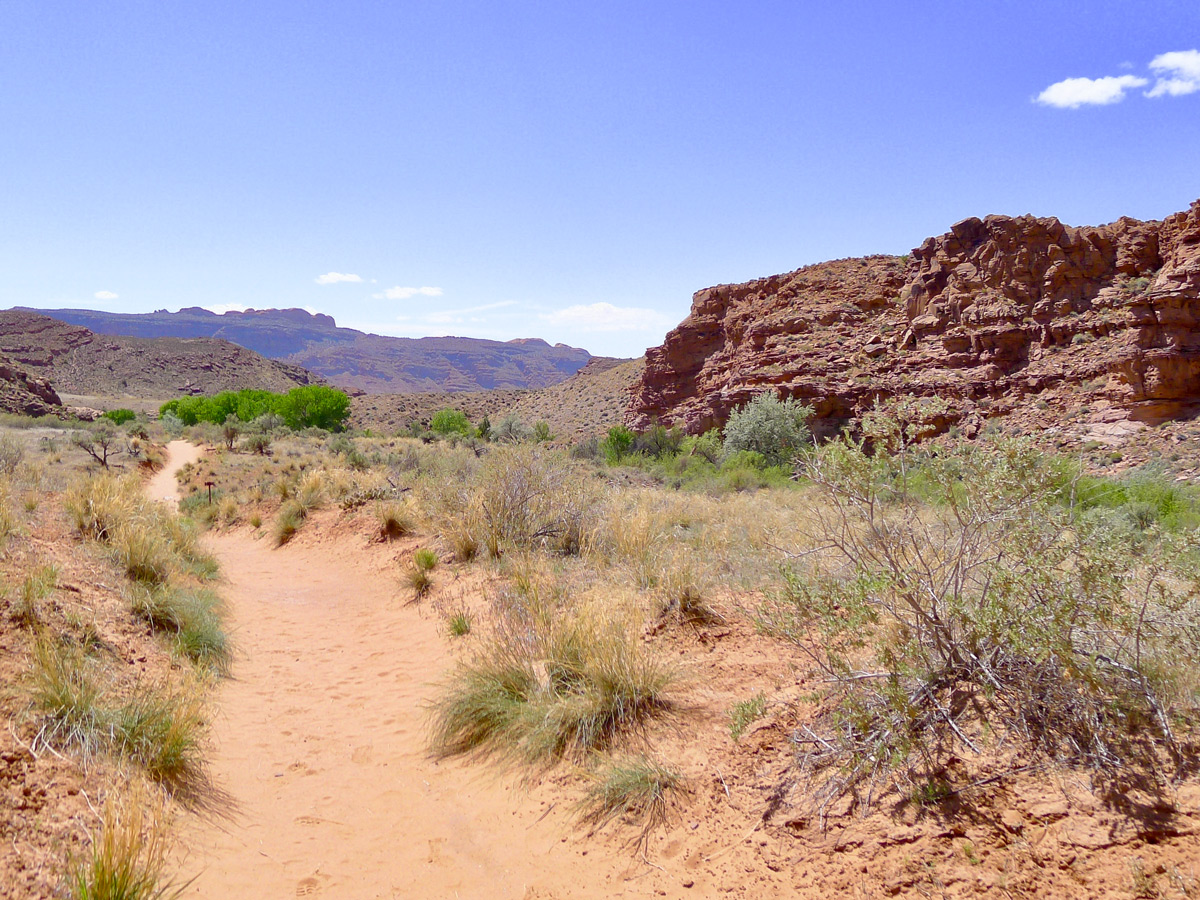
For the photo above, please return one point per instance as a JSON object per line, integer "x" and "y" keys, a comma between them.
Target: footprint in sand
{"x": 435, "y": 850}
{"x": 307, "y": 887}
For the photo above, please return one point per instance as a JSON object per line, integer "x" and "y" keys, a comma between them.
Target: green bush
{"x": 120, "y": 416}
{"x": 617, "y": 444}
{"x": 450, "y": 421}
{"x": 775, "y": 428}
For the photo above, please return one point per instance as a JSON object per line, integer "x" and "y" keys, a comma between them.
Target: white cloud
{"x": 221, "y": 308}
{"x": 606, "y": 317}
{"x": 406, "y": 293}
{"x": 335, "y": 277}
{"x": 1178, "y": 73}
{"x": 105, "y": 295}
{"x": 1073, "y": 93}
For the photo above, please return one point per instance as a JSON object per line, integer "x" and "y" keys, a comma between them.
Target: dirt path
{"x": 163, "y": 485}
{"x": 319, "y": 741}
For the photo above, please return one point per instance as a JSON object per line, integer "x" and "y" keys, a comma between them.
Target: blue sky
{"x": 571, "y": 171}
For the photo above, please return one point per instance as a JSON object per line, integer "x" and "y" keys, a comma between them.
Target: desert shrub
{"x": 171, "y": 423}
{"x": 258, "y": 443}
{"x": 658, "y": 441}
{"x": 511, "y": 431}
{"x": 775, "y": 428}
{"x": 541, "y": 432}
{"x": 12, "y": 453}
{"x": 706, "y": 446}
{"x": 531, "y": 497}
{"x": 744, "y": 713}
{"x": 101, "y": 442}
{"x": 544, "y": 687}
{"x": 588, "y": 448}
{"x": 119, "y": 416}
{"x": 231, "y": 430}
{"x": 995, "y": 609}
{"x": 633, "y": 788}
{"x": 450, "y": 421}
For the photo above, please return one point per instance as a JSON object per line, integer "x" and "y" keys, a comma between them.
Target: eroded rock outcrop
{"x": 998, "y": 315}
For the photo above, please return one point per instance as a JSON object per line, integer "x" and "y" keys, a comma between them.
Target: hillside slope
{"x": 77, "y": 361}
{"x": 354, "y": 359}
{"x": 998, "y": 316}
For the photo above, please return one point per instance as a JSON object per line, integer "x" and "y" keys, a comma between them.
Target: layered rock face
{"x": 998, "y": 315}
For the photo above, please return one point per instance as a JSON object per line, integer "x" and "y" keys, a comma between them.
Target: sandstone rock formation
{"x": 997, "y": 315}
{"x": 25, "y": 394}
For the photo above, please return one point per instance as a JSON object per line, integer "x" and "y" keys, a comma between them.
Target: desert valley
{"x": 877, "y": 578}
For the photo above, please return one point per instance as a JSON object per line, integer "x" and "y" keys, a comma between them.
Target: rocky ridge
{"x": 999, "y": 316}
{"x": 77, "y": 361}
{"x": 351, "y": 359}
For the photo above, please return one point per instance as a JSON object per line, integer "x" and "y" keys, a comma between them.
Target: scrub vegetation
{"x": 948, "y": 599}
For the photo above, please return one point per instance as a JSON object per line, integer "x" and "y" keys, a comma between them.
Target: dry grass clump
{"x": 146, "y": 540}
{"x": 157, "y": 727}
{"x": 128, "y": 855}
{"x": 635, "y": 788}
{"x": 191, "y": 617}
{"x": 35, "y": 586}
{"x": 158, "y": 551}
{"x": 424, "y": 561}
{"x": 394, "y": 520}
{"x": 287, "y": 523}
{"x": 549, "y": 683}
{"x": 311, "y": 494}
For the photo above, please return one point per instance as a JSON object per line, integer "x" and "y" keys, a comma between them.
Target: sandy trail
{"x": 319, "y": 742}
{"x": 163, "y": 485}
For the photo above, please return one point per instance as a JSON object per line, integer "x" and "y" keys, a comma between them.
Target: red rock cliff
{"x": 996, "y": 315}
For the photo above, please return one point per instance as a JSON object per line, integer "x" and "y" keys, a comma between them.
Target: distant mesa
{"x": 351, "y": 359}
